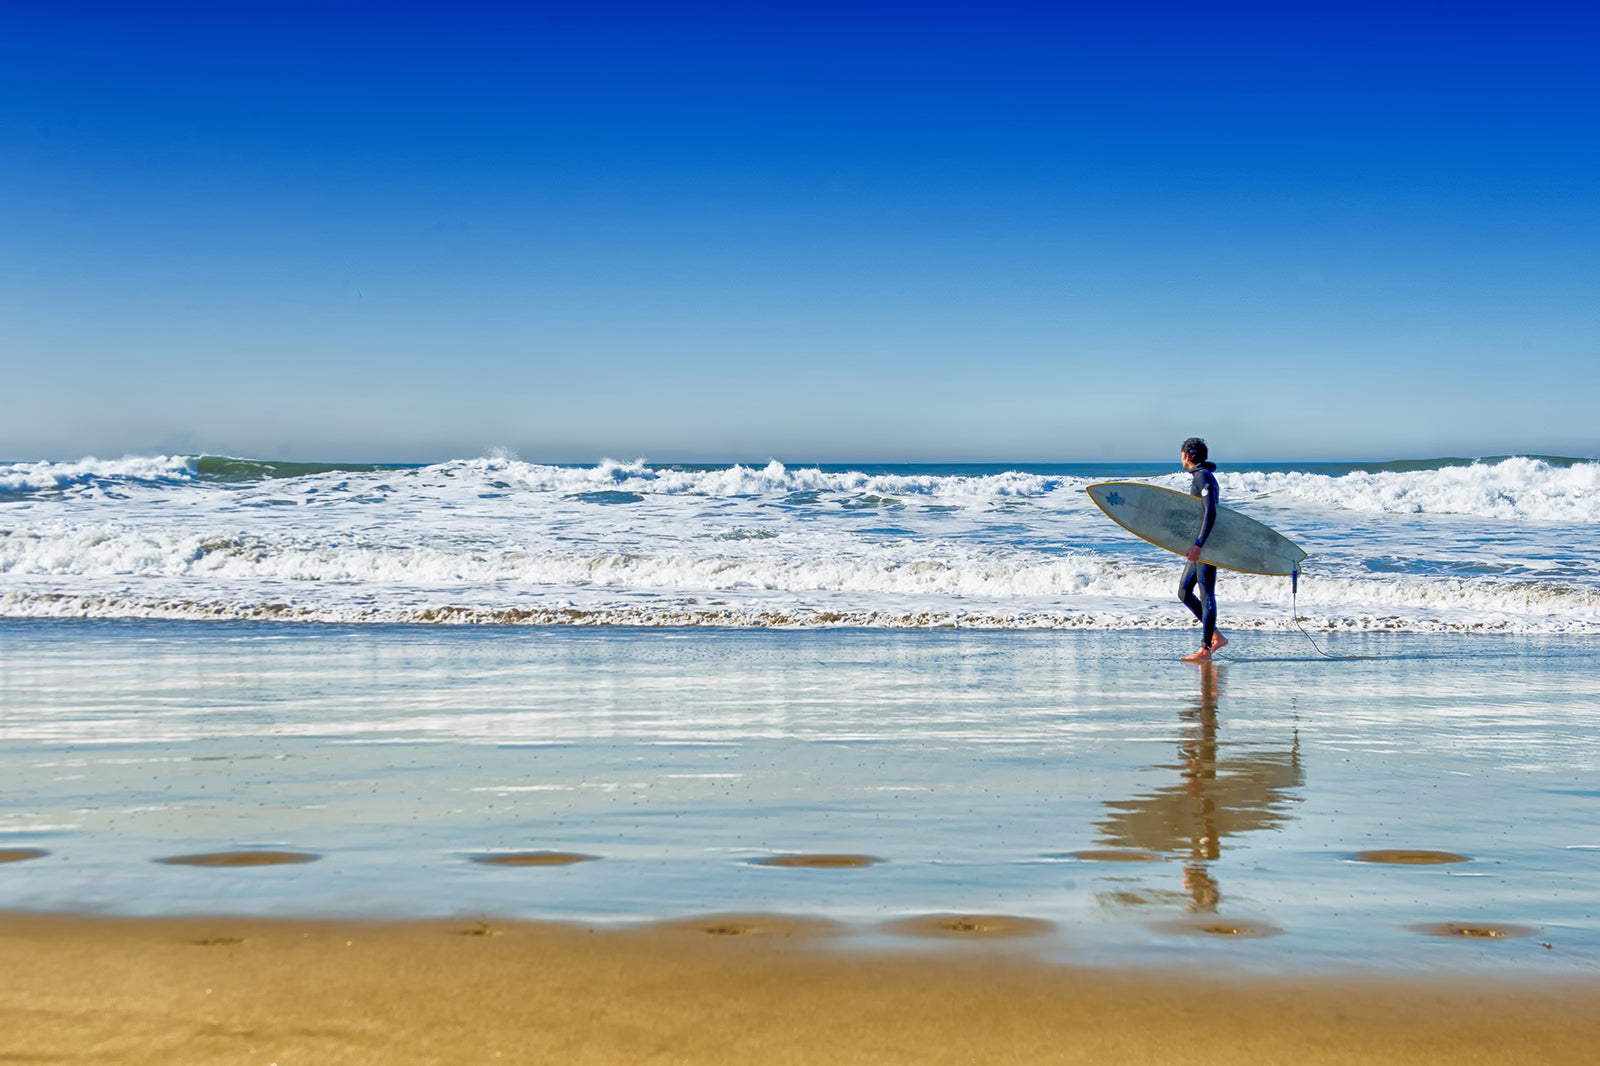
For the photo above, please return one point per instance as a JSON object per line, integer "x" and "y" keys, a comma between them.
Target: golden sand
{"x": 726, "y": 989}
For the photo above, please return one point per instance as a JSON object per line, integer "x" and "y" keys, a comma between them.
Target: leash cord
{"x": 1294, "y": 615}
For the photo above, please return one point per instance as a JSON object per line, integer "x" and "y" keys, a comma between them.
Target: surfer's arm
{"x": 1208, "y": 519}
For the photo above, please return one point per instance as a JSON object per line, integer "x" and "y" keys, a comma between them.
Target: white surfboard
{"x": 1170, "y": 519}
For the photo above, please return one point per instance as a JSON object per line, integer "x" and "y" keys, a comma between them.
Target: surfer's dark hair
{"x": 1195, "y": 449}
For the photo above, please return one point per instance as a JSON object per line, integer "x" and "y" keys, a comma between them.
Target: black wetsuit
{"x": 1204, "y": 607}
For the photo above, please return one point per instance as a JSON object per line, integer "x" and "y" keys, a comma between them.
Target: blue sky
{"x": 708, "y": 232}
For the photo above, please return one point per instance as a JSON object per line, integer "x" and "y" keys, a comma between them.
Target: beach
{"x": 1386, "y": 803}
{"x": 377, "y": 824}
{"x": 217, "y": 990}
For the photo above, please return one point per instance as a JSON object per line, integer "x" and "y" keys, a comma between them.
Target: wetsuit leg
{"x": 1191, "y": 577}
{"x": 1203, "y": 607}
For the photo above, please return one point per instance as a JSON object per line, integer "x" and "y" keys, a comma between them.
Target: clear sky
{"x": 714, "y": 232}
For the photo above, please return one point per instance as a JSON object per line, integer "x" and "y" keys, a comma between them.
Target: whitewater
{"x": 1501, "y": 545}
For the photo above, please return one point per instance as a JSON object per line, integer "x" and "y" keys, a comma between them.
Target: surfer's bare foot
{"x": 1218, "y": 642}
{"x": 1201, "y": 656}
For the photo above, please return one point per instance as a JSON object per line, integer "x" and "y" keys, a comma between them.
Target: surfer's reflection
{"x": 1214, "y": 798}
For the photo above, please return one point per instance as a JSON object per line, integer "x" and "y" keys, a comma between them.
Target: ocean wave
{"x": 901, "y": 577}
{"x": 1542, "y": 489}
{"x": 51, "y": 477}
{"x": 1531, "y": 489}
{"x": 773, "y": 479}
{"x": 230, "y": 470}
{"x": 1511, "y": 543}
{"x": 1523, "y": 489}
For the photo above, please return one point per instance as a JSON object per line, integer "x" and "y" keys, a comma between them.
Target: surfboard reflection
{"x": 1214, "y": 798}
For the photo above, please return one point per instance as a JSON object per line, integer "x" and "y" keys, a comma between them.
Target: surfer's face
{"x": 1183, "y": 457}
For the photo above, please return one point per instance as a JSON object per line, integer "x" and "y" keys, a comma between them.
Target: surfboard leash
{"x": 1294, "y": 616}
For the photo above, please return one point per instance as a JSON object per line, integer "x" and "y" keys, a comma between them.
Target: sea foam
{"x": 1509, "y": 545}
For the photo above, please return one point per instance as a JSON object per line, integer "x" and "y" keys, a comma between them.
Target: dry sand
{"x": 721, "y": 989}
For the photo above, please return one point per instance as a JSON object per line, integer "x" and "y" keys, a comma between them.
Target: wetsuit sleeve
{"x": 1207, "y": 491}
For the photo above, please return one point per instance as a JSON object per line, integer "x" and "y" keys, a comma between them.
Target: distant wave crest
{"x": 1539, "y": 490}
{"x": 49, "y": 477}
{"x": 1543, "y": 489}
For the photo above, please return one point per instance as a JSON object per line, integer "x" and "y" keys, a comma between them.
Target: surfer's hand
{"x": 1193, "y": 554}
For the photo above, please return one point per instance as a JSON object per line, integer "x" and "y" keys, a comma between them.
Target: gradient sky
{"x": 708, "y": 232}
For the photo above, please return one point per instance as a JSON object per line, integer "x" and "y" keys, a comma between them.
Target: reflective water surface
{"x": 1412, "y": 801}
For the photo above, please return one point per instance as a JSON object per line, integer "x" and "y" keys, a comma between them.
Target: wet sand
{"x": 726, "y": 988}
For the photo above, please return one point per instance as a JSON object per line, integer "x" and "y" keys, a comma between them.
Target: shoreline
{"x": 713, "y": 989}
{"x": 1153, "y": 617}
{"x": 1420, "y": 806}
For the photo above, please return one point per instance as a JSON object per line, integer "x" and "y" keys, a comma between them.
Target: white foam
{"x": 1520, "y": 489}
{"x": 91, "y": 474}
{"x": 1512, "y": 545}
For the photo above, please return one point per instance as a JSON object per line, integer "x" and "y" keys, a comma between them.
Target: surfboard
{"x": 1170, "y": 519}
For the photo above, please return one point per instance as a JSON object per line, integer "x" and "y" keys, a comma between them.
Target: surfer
{"x": 1204, "y": 485}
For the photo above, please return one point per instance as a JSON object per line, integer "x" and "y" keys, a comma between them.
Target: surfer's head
{"x": 1193, "y": 452}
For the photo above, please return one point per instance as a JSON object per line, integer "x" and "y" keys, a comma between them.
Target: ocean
{"x": 881, "y": 695}
{"x": 1505, "y": 545}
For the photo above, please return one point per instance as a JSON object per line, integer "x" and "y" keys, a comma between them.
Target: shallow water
{"x": 1151, "y": 810}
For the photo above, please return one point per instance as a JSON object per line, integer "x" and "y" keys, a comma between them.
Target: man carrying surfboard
{"x": 1193, "y": 456}
{"x": 1192, "y": 524}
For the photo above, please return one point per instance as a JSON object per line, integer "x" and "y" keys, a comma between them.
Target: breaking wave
{"x": 1510, "y": 544}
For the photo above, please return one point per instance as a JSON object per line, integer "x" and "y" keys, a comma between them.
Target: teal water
{"x": 990, "y": 771}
